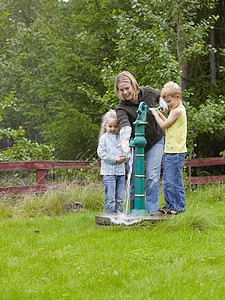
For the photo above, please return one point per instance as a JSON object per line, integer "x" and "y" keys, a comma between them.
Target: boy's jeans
{"x": 153, "y": 169}
{"x": 172, "y": 181}
{"x": 114, "y": 191}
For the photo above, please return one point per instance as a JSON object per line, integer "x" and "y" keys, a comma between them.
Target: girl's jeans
{"x": 172, "y": 181}
{"x": 114, "y": 191}
{"x": 153, "y": 168}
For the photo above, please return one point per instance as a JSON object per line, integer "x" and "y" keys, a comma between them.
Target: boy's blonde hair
{"x": 125, "y": 76}
{"x": 170, "y": 89}
{"x": 111, "y": 114}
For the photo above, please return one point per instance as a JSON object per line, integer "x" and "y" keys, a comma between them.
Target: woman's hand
{"x": 125, "y": 146}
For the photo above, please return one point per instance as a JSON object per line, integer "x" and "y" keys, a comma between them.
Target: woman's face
{"x": 127, "y": 91}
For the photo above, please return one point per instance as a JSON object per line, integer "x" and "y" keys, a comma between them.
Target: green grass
{"x": 47, "y": 254}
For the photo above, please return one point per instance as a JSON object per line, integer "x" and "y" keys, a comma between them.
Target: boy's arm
{"x": 164, "y": 122}
{"x": 162, "y": 116}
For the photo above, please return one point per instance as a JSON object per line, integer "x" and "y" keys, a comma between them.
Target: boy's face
{"x": 173, "y": 101}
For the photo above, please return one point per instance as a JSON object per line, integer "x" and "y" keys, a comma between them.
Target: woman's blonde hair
{"x": 125, "y": 76}
{"x": 170, "y": 89}
{"x": 111, "y": 114}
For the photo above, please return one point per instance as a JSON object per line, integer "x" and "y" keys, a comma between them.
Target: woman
{"x": 131, "y": 95}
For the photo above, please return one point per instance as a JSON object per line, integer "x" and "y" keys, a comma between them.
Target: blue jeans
{"x": 172, "y": 181}
{"x": 114, "y": 191}
{"x": 153, "y": 167}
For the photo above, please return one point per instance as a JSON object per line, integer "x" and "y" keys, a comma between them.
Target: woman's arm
{"x": 125, "y": 131}
{"x": 125, "y": 134}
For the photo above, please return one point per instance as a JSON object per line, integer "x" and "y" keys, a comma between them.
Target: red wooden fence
{"x": 42, "y": 166}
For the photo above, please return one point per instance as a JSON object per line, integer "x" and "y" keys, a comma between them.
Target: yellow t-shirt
{"x": 176, "y": 134}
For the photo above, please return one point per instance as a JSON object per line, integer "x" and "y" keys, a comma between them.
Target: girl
{"x": 112, "y": 163}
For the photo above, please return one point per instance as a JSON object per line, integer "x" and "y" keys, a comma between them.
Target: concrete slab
{"x": 123, "y": 219}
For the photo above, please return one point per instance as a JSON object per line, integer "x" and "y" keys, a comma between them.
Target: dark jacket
{"x": 127, "y": 114}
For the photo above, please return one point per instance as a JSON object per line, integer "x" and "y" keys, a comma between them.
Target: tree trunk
{"x": 212, "y": 59}
{"x": 182, "y": 61}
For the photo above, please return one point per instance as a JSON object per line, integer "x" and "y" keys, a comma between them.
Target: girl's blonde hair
{"x": 111, "y": 114}
{"x": 125, "y": 76}
{"x": 170, "y": 89}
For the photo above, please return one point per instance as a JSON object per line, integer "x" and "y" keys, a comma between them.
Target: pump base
{"x": 123, "y": 219}
{"x": 139, "y": 212}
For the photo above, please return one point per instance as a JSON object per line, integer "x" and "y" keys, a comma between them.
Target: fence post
{"x": 40, "y": 177}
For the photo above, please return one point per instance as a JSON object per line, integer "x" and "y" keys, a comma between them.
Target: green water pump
{"x": 139, "y": 143}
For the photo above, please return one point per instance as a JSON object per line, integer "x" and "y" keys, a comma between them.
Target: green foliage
{"x": 89, "y": 175}
{"x": 81, "y": 176}
{"x": 222, "y": 153}
{"x": 150, "y": 36}
{"x": 73, "y": 134}
{"x": 208, "y": 120}
{"x": 23, "y": 149}
{"x": 52, "y": 203}
{"x": 9, "y": 101}
{"x": 138, "y": 45}
{"x": 53, "y": 57}
{"x": 58, "y": 61}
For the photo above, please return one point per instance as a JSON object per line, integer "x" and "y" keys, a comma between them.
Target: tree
{"x": 20, "y": 148}
{"x": 52, "y": 60}
{"x": 58, "y": 61}
{"x": 167, "y": 40}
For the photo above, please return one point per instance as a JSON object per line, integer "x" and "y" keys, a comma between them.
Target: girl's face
{"x": 127, "y": 91}
{"x": 112, "y": 126}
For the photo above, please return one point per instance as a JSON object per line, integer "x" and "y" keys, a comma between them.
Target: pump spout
{"x": 139, "y": 141}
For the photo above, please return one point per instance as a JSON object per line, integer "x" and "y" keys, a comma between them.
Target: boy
{"x": 175, "y": 148}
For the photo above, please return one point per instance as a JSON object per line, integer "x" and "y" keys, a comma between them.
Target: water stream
{"x": 127, "y": 190}
{"x": 125, "y": 218}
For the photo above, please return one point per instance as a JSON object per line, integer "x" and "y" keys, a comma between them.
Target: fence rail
{"x": 42, "y": 166}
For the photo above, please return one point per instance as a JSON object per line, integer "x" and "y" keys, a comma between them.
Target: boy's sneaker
{"x": 171, "y": 211}
{"x": 163, "y": 210}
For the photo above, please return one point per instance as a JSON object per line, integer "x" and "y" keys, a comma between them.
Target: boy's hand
{"x": 164, "y": 110}
{"x": 120, "y": 159}
{"x": 154, "y": 111}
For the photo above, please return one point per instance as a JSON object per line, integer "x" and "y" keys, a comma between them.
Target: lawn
{"x": 68, "y": 256}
